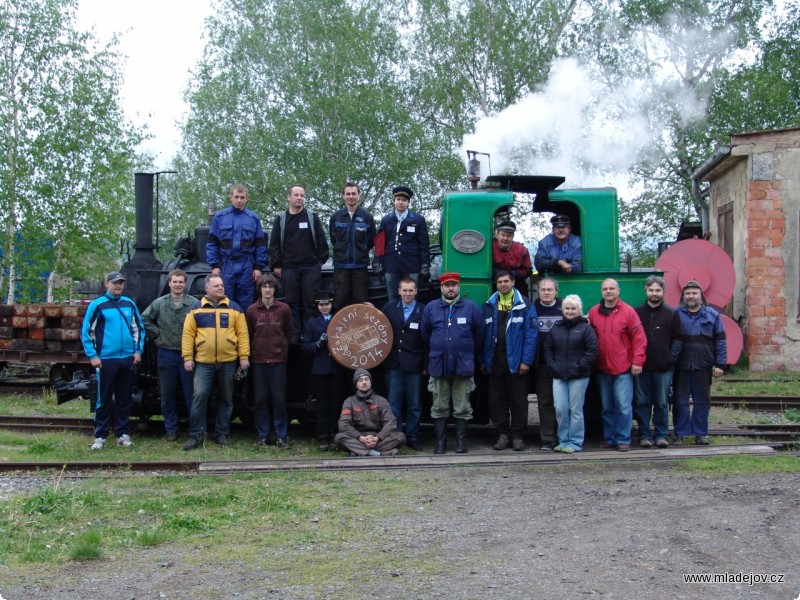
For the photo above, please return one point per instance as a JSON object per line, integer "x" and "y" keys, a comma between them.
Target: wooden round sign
{"x": 360, "y": 337}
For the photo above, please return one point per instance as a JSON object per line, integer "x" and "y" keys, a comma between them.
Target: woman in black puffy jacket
{"x": 570, "y": 351}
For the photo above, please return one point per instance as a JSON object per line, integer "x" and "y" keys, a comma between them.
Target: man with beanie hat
{"x": 702, "y": 356}
{"x": 367, "y": 426}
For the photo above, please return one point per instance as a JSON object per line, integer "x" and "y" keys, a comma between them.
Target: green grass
{"x": 765, "y": 384}
{"x": 741, "y": 465}
{"x": 263, "y": 521}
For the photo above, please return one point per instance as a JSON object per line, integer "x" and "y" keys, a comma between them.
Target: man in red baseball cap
{"x": 453, "y": 330}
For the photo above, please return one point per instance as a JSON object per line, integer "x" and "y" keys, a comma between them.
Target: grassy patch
{"x": 756, "y": 384}
{"x": 253, "y": 517}
{"x": 741, "y": 465}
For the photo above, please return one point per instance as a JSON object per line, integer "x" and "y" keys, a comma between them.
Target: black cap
{"x": 507, "y": 226}
{"x": 323, "y": 297}
{"x": 403, "y": 190}
{"x": 560, "y": 220}
{"x": 693, "y": 284}
{"x": 115, "y": 276}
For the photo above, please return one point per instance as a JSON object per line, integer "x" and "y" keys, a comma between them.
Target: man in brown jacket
{"x": 367, "y": 425}
{"x": 270, "y": 324}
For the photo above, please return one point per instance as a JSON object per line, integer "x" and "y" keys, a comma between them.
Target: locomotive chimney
{"x": 474, "y": 168}
{"x": 143, "y": 185}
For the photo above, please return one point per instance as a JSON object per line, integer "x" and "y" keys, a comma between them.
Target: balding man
{"x": 622, "y": 346}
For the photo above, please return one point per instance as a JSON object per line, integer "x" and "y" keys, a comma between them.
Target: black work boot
{"x": 461, "y": 436}
{"x": 440, "y": 427}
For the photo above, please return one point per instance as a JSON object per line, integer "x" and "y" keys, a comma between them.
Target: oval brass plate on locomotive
{"x": 360, "y": 336}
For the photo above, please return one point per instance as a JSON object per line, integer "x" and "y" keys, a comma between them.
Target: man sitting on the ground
{"x": 367, "y": 425}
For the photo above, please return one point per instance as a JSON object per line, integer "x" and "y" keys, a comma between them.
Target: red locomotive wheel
{"x": 700, "y": 261}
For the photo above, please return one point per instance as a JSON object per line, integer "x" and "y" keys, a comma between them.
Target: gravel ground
{"x": 627, "y": 531}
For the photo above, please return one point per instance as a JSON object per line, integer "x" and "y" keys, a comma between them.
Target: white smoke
{"x": 575, "y": 126}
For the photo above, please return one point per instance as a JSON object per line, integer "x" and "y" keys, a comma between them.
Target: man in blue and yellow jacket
{"x": 113, "y": 339}
{"x": 215, "y": 337}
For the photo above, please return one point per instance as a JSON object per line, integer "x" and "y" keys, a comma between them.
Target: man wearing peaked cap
{"x": 402, "y": 246}
{"x": 453, "y": 330}
{"x": 328, "y": 378}
{"x": 703, "y": 355}
{"x": 560, "y": 251}
{"x": 511, "y": 256}
{"x": 114, "y": 277}
{"x": 367, "y": 426}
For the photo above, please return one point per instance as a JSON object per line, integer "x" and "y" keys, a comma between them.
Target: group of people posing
{"x": 205, "y": 345}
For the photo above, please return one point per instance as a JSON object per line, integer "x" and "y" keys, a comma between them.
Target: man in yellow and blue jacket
{"x": 215, "y": 339}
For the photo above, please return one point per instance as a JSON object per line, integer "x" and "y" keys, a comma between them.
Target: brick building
{"x": 755, "y": 217}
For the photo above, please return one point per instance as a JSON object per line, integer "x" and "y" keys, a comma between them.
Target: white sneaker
{"x": 98, "y": 443}
{"x": 124, "y": 440}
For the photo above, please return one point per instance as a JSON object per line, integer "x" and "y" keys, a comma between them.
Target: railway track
{"x": 46, "y": 423}
{"x": 402, "y": 462}
{"x": 15, "y": 386}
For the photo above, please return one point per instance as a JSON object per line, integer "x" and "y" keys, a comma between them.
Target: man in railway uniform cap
{"x": 703, "y": 354}
{"x": 560, "y": 251}
{"x": 511, "y": 256}
{"x": 328, "y": 377}
{"x": 113, "y": 340}
{"x": 402, "y": 247}
{"x": 367, "y": 426}
{"x": 453, "y": 329}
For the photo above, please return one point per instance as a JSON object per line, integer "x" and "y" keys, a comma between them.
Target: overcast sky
{"x": 162, "y": 40}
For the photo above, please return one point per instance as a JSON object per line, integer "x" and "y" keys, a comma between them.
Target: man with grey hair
{"x": 548, "y": 309}
{"x": 662, "y": 326}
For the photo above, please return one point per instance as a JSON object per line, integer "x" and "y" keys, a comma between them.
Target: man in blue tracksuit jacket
{"x": 237, "y": 248}
{"x": 113, "y": 339}
{"x": 512, "y": 332}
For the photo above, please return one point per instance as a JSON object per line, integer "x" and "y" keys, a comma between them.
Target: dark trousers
{"x": 350, "y": 286}
{"x": 543, "y": 381}
{"x": 114, "y": 396}
{"x": 269, "y": 395}
{"x": 328, "y": 390}
{"x": 508, "y": 396}
{"x": 171, "y": 375}
{"x": 299, "y": 285}
{"x": 697, "y": 385}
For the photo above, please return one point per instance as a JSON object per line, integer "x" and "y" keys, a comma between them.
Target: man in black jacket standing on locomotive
{"x": 297, "y": 250}
{"x": 662, "y": 326}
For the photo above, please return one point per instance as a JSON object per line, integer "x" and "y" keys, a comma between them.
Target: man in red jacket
{"x": 622, "y": 345}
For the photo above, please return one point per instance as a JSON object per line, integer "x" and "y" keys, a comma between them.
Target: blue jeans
{"x": 299, "y": 285}
{"x": 114, "y": 396}
{"x": 404, "y": 389}
{"x": 205, "y": 376}
{"x": 616, "y": 394}
{"x": 651, "y": 394}
{"x": 170, "y": 374}
{"x": 269, "y": 391}
{"x": 568, "y": 397}
{"x": 392, "y": 281}
{"x": 696, "y": 384}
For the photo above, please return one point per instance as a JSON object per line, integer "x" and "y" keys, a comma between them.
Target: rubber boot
{"x": 461, "y": 433}
{"x": 440, "y": 427}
